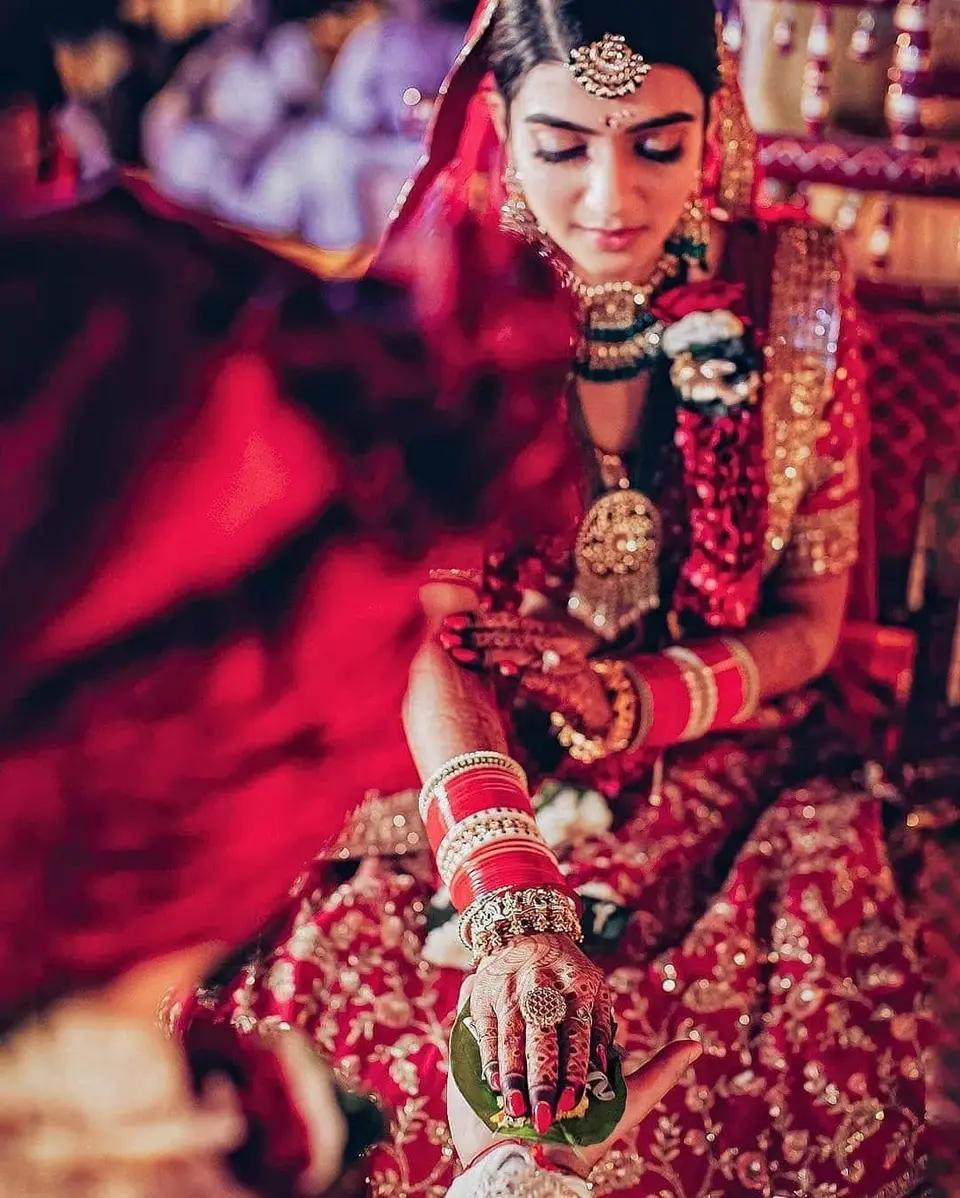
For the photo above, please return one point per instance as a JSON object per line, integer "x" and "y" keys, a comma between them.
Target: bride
{"x": 689, "y": 864}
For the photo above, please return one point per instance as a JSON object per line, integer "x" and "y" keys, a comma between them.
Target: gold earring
{"x": 690, "y": 240}
{"x": 515, "y": 214}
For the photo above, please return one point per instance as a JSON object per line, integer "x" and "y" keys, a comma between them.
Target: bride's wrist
{"x": 499, "y": 919}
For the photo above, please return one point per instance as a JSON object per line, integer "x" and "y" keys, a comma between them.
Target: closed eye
{"x": 566, "y": 155}
{"x": 654, "y": 150}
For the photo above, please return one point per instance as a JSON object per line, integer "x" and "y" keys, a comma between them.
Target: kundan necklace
{"x": 617, "y": 555}
{"x": 620, "y": 336}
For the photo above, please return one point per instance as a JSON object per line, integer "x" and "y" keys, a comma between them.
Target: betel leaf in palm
{"x": 607, "y": 1097}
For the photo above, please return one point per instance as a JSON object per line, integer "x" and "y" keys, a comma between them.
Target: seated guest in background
{"x": 214, "y": 137}
{"x": 379, "y": 99}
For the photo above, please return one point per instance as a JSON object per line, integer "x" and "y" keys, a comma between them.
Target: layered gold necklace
{"x": 620, "y": 337}
{"x": 617, "y": 552}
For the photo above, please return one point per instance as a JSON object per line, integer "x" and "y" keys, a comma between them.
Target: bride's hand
{"x": 550, "y": 658}
{"x": 646, "y": 1086}
{"x": 541, "y": 1070}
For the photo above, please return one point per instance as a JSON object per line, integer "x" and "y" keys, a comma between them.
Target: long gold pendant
{"x": 617, "y": 557}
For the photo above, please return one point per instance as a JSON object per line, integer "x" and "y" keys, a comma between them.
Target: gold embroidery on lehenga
{"x": 801, "y": 358}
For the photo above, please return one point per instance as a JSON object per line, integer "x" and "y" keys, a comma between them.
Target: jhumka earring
{"x": 515, "y": 214}
{"x": 690, "y": 240}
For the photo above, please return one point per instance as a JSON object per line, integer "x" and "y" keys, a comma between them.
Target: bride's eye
{"x": 560, "y": 152}
{"x": 658, "y": 149}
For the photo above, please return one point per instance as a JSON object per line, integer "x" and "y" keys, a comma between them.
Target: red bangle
{"x": 731, "y": 691}
{"x": 508, "y": 869}
{"x": 669, "y": 699}
{"x": 470, "y": 793}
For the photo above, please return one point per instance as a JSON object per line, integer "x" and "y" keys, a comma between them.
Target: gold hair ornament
{"x": 609, "y": 69}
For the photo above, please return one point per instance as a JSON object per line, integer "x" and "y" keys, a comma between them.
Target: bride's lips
{"x": 613, "y": 241}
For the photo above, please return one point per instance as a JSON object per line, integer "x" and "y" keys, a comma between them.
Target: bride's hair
{"x": 529, "y": 32}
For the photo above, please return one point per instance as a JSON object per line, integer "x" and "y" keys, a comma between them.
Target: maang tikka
{"x": 609, "y": 69}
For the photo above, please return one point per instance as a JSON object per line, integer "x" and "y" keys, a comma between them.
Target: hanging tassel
{"x": 917, "y": 579}
{"x": 733, "y": 29}
{"x": 656, "y": 782}
{"x": 845, "y": 219}
{"x": 953, "y": 672}
{"x": 785, "y": 30}
{"x": 881, "y": 236}
{"x": 863, "y": 41}
{"x": 815, "y": 95}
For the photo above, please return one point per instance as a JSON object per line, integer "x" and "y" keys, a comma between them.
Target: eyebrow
{"x": 659, "y": 122}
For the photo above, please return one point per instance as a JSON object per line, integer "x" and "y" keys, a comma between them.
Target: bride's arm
{"x": 706, "y": 685}
{"x": 450, "y": 711}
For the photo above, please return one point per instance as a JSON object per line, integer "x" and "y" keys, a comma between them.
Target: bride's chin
{"x": 614, "y": 268}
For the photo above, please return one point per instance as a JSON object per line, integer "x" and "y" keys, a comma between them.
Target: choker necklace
{"x": 620, "y": 337}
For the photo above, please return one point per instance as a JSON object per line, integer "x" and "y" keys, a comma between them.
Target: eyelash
{"x": 658, "y": 156}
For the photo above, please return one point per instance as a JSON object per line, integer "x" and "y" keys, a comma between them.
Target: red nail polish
{"x": 458, "y": 623}
{"x": 602, "y": 1059}
{"x": 466, "y": 657}
{"x": 495, "y": 1082}
{"x": 542, "y": 1118}
{"x": 509, "y": 669}
{"x": 450, "y": 640}
{"x": 568, "y": 1100}
{"x": 516, "y": 1106}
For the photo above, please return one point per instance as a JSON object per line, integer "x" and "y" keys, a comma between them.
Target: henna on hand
{"x": 543, "y": 1070}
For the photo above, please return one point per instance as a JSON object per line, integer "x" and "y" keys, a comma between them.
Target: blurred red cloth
{"x": 221, "y": 482}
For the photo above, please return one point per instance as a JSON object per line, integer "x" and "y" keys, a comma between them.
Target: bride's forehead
{"x": 551, "y": 89}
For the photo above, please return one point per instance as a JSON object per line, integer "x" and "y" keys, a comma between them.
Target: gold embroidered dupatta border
{"x": 801, "y": 361}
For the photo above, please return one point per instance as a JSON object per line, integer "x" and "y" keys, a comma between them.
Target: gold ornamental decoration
{"x": 617, "y": 555}
{"x": 609, "y": 69}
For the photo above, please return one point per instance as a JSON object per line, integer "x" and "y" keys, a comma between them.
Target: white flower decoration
{"x": 701, "y": 328}
{"x": 572, "y": 815}
{"x": 444, "y": 948}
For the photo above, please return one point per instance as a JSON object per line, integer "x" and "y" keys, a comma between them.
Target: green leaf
{"x": 594, "y": 1127}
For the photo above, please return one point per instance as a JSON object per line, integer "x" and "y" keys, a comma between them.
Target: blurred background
{"x": 292, "y": 117}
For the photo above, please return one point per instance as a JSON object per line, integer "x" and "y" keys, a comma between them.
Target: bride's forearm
{"x": 447, "y": 710}
{"x": 714, "y": 684}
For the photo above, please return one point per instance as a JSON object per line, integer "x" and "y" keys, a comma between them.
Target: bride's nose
{"x": 612, "y": 195}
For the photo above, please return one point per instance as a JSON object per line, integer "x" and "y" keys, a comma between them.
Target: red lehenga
{"x": 757, "y": 902}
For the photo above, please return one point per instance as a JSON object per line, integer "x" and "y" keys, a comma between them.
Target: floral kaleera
{"x": 714, "y": 367}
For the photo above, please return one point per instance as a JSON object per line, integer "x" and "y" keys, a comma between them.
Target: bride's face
{"x": 606, "y": 179}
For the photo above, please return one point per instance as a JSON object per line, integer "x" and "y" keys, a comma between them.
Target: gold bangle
{"x": 626, "y": 706}
{"x": 495, "y": 823}
{"x": 494, "y": 919}
{"x": 750, "y": 676}
{"x": 645, "y": 707}
{"x": 702, "y": 687}
{"x": 461, "y": 764}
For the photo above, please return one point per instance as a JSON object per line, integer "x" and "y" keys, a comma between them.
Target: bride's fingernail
{"x": 516, "y": 1104}
{"x": 542, "y": 1118}
{"x": 466, "y": 657}
{"x": 509, "y": 669}
{"x": 568, "y": 1100}
{"x": 458, "y": 622}
{"x": 495, "y": 1081}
